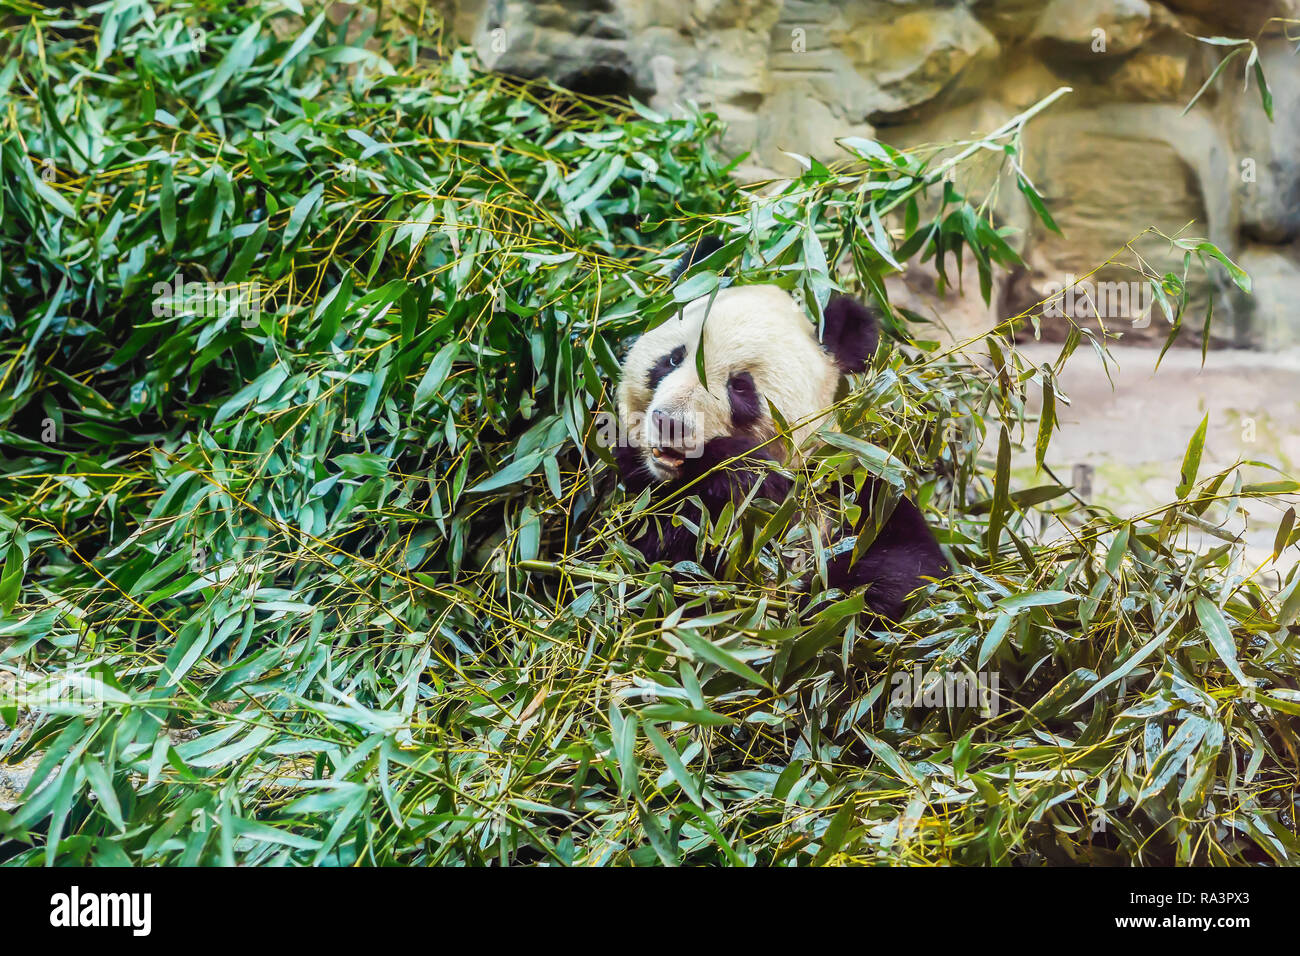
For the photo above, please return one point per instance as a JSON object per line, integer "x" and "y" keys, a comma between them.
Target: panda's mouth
{"x": 667, "y": 458}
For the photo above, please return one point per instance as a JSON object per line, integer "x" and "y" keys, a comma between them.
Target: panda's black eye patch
{"x": 745, "y": 407}
{"x": 665, "y": 365}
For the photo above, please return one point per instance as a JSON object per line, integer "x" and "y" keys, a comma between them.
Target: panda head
{"x": 760, "y": 351}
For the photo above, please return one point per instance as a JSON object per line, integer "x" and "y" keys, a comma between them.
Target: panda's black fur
{"x": 903, "y": 552}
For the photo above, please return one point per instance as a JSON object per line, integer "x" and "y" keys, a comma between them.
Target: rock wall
{"x": 1115, "y": 157}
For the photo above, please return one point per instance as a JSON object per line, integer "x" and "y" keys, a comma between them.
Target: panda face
{"x": 760, "y": 351}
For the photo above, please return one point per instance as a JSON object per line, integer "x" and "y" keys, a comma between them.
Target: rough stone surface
{"x": 1167, "y": 166}
{"x": 1268, "y": 154}
{"x": 14, "y": 780}
{"x": 1095, "y": 27}
{"x": 1238, "y": 17}
{"x": 1268, "y": 313}
{"x": 16, "y": 775}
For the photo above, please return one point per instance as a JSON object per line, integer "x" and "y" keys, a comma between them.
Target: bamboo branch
{"x": 609, "y": 577}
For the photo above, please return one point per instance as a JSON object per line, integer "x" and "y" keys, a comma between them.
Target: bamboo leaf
{"x": 1192, "y": 459}
{"x": 1216, "y": 629}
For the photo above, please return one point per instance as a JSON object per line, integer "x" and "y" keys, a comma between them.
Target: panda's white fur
{"x": 756, "y": 329}
{"x": 760, "y": 351}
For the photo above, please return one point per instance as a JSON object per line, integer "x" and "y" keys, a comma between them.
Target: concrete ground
{"x": 1135, "y": 432}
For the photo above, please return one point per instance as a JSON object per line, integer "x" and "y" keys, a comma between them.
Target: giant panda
{"x": 683, "y": 439}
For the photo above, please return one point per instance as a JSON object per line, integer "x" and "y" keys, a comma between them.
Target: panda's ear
{"x": 849, "y": 333}
{"x": 706, "y": 247}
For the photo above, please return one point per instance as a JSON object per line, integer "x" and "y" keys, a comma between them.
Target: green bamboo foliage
{"x": 310, "y": 540}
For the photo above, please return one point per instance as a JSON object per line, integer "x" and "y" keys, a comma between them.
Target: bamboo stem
{"x": 609, "y": 577}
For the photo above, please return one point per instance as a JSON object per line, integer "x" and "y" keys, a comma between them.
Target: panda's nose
{"x": 669, "y": 439}
{"x": 669, "y": 430}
